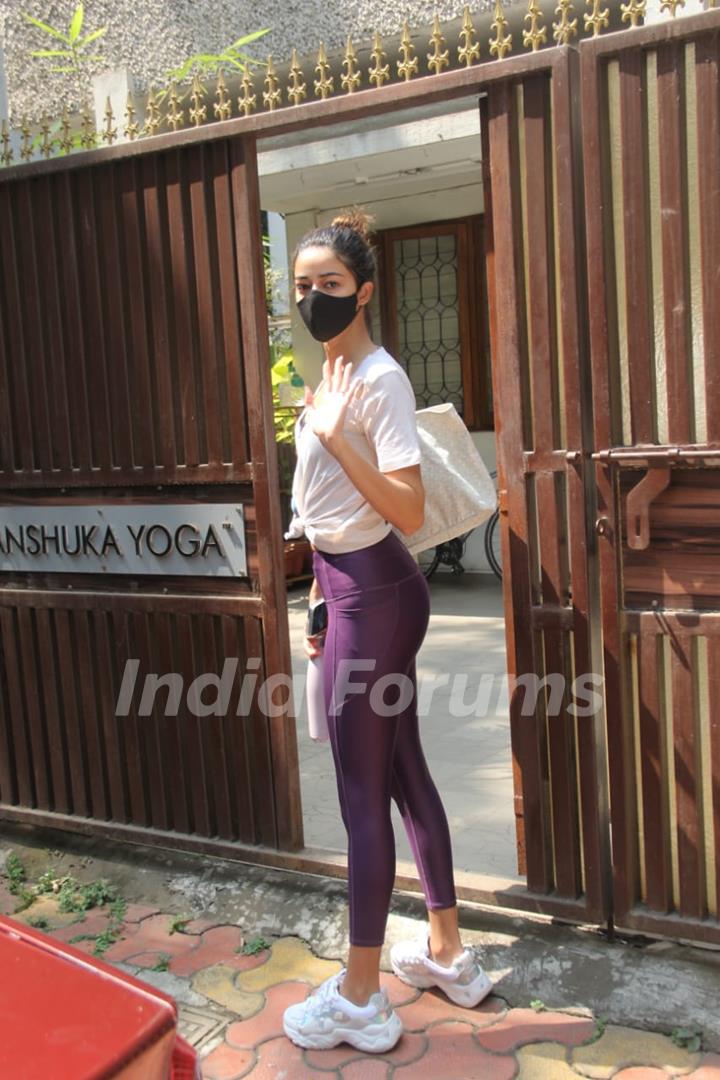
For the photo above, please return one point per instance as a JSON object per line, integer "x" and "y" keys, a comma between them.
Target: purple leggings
{"x": 379, "y": 606}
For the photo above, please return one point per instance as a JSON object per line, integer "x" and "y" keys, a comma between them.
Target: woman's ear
{"x": 364, "y": 293}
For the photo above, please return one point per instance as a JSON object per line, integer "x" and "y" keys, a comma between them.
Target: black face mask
{"x": 327, "y": 316}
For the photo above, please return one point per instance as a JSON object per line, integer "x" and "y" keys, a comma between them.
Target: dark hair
{"x": 348, "y": 237}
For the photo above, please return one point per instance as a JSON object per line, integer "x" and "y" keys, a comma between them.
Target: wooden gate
{"x": 651, "y": 129}
{"x": 133, "y": 369}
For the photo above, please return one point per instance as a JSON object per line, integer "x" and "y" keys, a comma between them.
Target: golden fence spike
{"x": 131, "y": 130}
{"x": 88, "y": 138}
{"x": 380, "y": 73}
{"x": 198, "y": 112}
{"x": 66, "y": 142}
{"x": 439, "y": 58}
{"x": 469, "y": 49}
{"x": 633, "y": 11}
{"x": 6, "y": 154}
{"x": 223, "y": 106}
{"x": 324, "y": 85}
{"x": 565, "y": 28}
{"x": 408, "y": 66}
{"x": 597, "y": 18}
{"x": 152, "y": 117}
{"x": 672, "y": 6}
{"x": 248, "y": 98}
{"x": 297, "y": 87}
{"x": 537, "y": 34}
{"x": 175, "y": 115}
{"x": 46, "y": 145}
{"x": 351, "y": 78}
{"x": 501, "y": 44}
{"x": 26, "y": 150}
{"x": 272, "y": 94}
{"x": 109, "y": 134}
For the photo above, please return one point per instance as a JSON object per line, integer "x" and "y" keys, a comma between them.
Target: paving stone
{"x": 226, "y": 1063}
{"x": 218, "y": 945}
{"x": 290, "y": 960}
{"x": 151, "y": 936}
{"x": 520, "y": 1026}
{"x": 45, "y": 907}
{"x": 620, "y": 1047}
{"x": 409, "y": 1048}
{"x": 7, "y": 900}
{"x": 365, "y": 1069}
{"x": 267, "y": 1024}
{"x": 93, "y": 923}
{"x": 433, "y": 1006}
{"x": 279, "y": 1059}
{"x": 709, "y": 1068}
{"x": 398, "y": 991}
{"x": 137, "y": 912}
{"x": 199, "y": 926}
{"x": 454, "y": 1054}
{"x": 544, "y": 1061}
{"x": 217, "y": 984}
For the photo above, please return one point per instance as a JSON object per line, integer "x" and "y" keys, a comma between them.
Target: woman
{"x": 358, "y": 475}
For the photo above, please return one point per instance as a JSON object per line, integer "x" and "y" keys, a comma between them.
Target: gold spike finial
{"x": 297, "y": 87}
{"x": 66, "y": 142}
{"x": 672, "y": 6}
{"x": 439, "y": 58}
{"x": 6, "y": 154}
{"x": 88, "y": 138}
{"x": 272, "y": 94}
{"x": 324, "y": 83}
{"x": 109, "y": 133}
{"x": 248, "y": 98}
{"x": 198, "y": 112}
{"x": 408, "y": 66}
{"x": 565, "y": 28}
{"x": 175, "y": 115}
{"x": 501, "y": 44}
{"x": 152, "y": 113}
{"x": 597, "y": 18}
{"x": 537, "y": 34}
{"x": 380, "y": 72}
{"x": 469, "y": 49}
{"x": 26, "y": 150}
{"x": 223, "y": 106}
{"x": 131, "y": 129}
{"x": 633, "y": 11}
{"x": 351, "y": 78}
{"x": 46, "y": 145}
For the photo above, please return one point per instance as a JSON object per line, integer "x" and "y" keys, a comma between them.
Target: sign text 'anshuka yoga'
{"x": 113, "y": 538}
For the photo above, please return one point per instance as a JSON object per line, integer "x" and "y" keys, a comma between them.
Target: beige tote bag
{"x": 459, "y": 491}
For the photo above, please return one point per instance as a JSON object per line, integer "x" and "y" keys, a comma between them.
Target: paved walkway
{"x": 469, "y": 755}
{"x": 231, "y": 1003}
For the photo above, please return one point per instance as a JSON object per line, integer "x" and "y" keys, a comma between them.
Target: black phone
{"x": 317, "y": 619}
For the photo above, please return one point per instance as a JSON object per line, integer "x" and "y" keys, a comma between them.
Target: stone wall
{"x": 155, "y": 36}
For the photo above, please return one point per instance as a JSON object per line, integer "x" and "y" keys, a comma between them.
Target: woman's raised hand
{"x": 327, "y": 415}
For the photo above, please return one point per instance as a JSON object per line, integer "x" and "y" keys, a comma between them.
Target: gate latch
{"x": 639, "y": 498}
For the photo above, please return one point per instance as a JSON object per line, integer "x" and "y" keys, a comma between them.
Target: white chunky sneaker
{"x": 464, "y": 981}
{"x": 326, "y": 1018}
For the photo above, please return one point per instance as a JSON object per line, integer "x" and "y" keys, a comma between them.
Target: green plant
{"x": 177, "y": 926}
{"x": 688, "y": 1038}
{"x": 75, "y": 46}
{"x": 283, "y": 371}
{"x": 208, "y": 64}
{"x": 254, "y": 946}
{"x": 15, "y": 873}
{"x": 39, "y": 923}
{"x": 163, "y": 962}
{"x": 537, "y": 1005}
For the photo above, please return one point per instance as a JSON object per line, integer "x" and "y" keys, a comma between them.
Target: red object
{"x": 70, "y": 1016}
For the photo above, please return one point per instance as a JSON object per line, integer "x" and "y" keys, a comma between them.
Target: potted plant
{"x": 287, "y": 397}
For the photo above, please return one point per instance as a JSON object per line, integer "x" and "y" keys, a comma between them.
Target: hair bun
{"x": 356, "y": 219}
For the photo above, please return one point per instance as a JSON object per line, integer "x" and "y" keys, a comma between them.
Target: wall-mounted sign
{"x": 118, "y": 538}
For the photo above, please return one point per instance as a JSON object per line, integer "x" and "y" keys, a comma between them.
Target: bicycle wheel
{"x": 493, "y": 552}
{"x": 429, "y": 560}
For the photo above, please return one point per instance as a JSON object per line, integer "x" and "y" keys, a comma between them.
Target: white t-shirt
{"x": 380, "y": 424}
